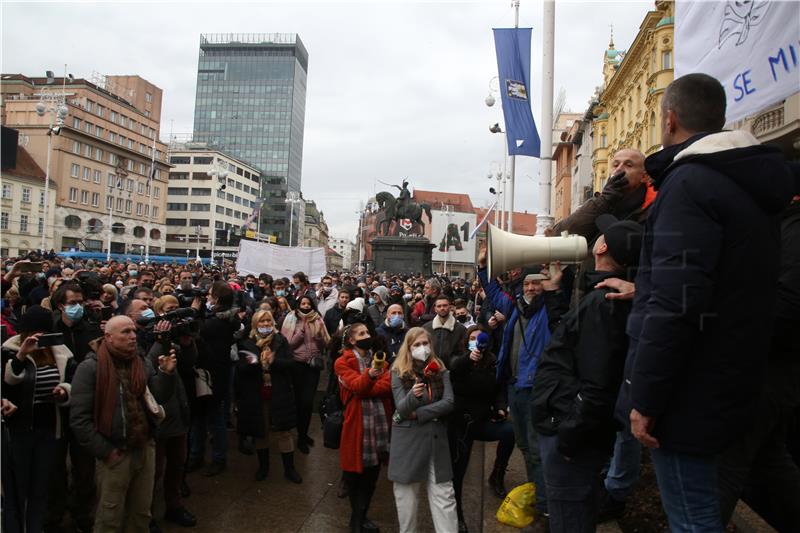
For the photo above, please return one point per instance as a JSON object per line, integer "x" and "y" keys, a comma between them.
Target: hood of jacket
{"x": 383, "y": 292}
{"x": 60, "y": 351}
{"x": 760, "y": 171}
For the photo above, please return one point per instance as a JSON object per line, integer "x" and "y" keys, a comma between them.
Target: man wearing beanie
{"x": 577, "y": 381}
{"x": 115, "y": 407}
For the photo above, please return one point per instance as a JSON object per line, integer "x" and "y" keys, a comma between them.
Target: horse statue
{"x": 389, "y": 205}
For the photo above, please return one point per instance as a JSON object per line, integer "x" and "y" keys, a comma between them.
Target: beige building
{"x": 208, "y": 188}
{"x": 346, "y": 249}
{"x": 315, "y": 229}
{"x": 22, "y": 217}
{"x": 100, "y": 159}
{"x": 564, "y": 129}
{"x": 629, "y": 112}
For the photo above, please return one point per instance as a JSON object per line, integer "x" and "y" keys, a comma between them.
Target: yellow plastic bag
{"x": 517, "y": 509}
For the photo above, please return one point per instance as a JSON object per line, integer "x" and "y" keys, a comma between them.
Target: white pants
{"x": 441, "y": 498}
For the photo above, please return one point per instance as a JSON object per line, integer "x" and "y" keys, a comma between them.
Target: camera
{"x": 183, "y": 322}
{"x": 187, "y": 296}
{"x": 90, "y": 285}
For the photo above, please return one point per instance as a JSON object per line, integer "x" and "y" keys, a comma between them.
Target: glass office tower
{"x": 250, "y": 102}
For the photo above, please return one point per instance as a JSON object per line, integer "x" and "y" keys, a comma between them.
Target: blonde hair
{"x": 159, "y": 304}
{"x": 403, "y": 364}
{"x": 258, "y": 316}
{"x": 108, "y": 288}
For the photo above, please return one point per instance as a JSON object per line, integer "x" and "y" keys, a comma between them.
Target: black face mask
{"x": 364, "y": 344}
{"x": 462, "y": 318}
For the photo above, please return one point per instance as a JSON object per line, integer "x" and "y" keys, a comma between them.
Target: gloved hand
{"x": 614, "y": 189}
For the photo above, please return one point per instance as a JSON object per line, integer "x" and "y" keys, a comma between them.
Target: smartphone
{"x": 50, "y": 339}
{"x": 106, "y": 312}
{"x": 30, "y": 267}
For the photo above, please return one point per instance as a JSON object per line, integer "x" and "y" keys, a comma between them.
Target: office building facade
{"x": 250, "y": 103}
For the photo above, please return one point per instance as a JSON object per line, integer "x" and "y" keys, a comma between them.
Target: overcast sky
{"x": 395, "y": 89}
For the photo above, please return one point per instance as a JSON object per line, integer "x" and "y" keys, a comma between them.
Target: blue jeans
{"x": 572, "y": 486}
{"x": 210, "y": 418}
{"x": 519, "y": 403}
{"x": 623, "y": 471}
{"x": 688, "y": 486}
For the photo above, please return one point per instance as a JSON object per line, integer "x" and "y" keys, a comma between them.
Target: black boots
{"x": 263, "y": 464}
{"x": 288, "y": 468}
{"x": 497, "y": 480}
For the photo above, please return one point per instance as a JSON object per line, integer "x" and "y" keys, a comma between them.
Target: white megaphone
{"x": 507, "y": 251}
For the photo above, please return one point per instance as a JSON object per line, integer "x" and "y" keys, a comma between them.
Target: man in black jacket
{"x": 697, "y": 333}
{"x": 577, "y": 381}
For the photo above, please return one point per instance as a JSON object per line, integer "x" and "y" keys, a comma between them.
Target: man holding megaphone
{"x": 531, "y": 316}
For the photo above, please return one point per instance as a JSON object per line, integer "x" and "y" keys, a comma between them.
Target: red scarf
{"x": 107, "y": 385}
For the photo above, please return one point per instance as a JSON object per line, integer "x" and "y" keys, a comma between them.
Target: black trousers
{"x": 304, "y": 380}
{"x": 360, "y": 488}
{"x": 461, "y": 435}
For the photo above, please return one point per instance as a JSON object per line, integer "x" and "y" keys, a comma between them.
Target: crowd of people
{"x": 118, "y": 376}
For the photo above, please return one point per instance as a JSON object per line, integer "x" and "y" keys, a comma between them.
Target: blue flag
{"x": 513, "y": 47}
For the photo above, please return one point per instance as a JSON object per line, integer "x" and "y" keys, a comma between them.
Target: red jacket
{"x": 353, "y": 386}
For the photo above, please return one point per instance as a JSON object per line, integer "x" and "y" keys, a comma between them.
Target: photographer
{"x": 171, "y": 435}
{"x": 480, "y": 414}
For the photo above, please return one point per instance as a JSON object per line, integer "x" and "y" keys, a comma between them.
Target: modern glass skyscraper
{"x": 251, "y": 101}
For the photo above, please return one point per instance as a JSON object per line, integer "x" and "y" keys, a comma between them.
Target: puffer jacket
{"x": 176, "y": 408}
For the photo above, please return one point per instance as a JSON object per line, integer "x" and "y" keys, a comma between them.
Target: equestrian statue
{"x": 402, "y": 207}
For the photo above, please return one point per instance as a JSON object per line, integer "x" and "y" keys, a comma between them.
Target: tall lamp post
{"x": 55, "y": 104}
{"x": 220, "y": 173}
{"x": 292, "y": 198}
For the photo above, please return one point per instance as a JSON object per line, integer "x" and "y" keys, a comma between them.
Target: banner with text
{"x": 280, "y": 261}
{"x": 752, "y": 48}
{"x": 450, "y": 232}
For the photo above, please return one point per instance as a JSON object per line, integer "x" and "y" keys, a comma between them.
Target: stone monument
{"x": 401, "y": 246}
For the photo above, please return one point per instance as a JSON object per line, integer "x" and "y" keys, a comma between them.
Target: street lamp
{"x": 509, "y": 221}
{"x": 187, "y": 255}
{"x": 292, "y": 198}
{"x": 54, "y": 104}
{"x": 220, "y": 173}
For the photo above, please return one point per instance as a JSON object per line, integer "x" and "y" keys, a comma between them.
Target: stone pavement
{"x": 235, "y": 502}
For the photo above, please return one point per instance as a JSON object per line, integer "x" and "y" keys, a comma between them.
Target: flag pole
{"x": 513, "y": 157}
{"x": 150, "y": 202}
{"x": 544, "y": 220}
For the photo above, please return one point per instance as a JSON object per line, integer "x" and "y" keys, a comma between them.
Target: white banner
{"x": 450, "y": 232}
{"x": 280, "y": 261}
{"x": 752, "y": 48}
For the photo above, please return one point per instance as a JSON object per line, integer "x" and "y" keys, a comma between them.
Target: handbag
{"x": 333, "y": 421}
{"x": 317, "y": 362}
{"x": 202, "y": 383}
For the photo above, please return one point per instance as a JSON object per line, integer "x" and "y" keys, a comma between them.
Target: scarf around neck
{"x": 107, "y": 385}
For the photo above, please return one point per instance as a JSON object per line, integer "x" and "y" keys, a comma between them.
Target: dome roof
{"x": 665, "y": 21}
{"x": 602, "y": 116}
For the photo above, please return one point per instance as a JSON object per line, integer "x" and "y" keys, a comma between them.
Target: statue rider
{"x": 403, "y": 199}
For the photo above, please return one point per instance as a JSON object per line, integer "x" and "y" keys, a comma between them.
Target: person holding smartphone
{"x": 419, "y": 452}
{"x": 37, "y": 380}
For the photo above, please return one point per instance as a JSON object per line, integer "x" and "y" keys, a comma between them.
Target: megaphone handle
{"x": 554, "y": 269}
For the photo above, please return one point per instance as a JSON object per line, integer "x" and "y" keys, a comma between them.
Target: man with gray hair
{"x": 423, "y": 311}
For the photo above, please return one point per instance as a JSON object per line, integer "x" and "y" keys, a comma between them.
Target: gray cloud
{"x": 394, "y": 89}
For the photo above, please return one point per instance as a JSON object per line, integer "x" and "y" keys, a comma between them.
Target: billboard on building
{"x": 450, "y": 233}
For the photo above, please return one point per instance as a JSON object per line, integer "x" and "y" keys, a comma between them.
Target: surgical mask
{"x": 148, "y": 313}
{"x": 119, "y": 284}
{"x": 396, "y": 321}
{"x": 40, "y": 275}
{"x": 264, "y": 331}
{"x": 209, "y": 306}
{"x": 407, "y": 296}
{"x": 473, "y": 345}
{"x": 133, "y": 273}
{"x": 421, "y": 353}
{"x": 372, "y": 301}
{"x": 74, "y": 312}
{"x": 280, "y": 292}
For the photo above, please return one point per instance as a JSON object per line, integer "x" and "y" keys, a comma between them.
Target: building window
{"x": 87, "y": 150}
{"x": 156, "y": 191}
{"x": 128, "y": 206}
{"x": 7, "y": 191}
{"x": 178, "y": 190}
{"x": 120, "y": 204}
{"x": 653, "y": 131}
{"x": 40, "y": 226}
{"x": 113, "y": 159}
{"x": 148, "y": 97}
{"x": 112, "y": 137}
{"x": 666, "y": 59}
{"x": 72, "y": 222}
{"x": 109, "y": 202}
{"x": 88, "y": 127}
{"x": 118, "y": 228}
{"x": 180, "y": 160}
{"x": 89, "y": 106}
{"x": 140, "y": 188}
{"x": 26, "y": 195}
{"x": 130, "y": 185}
{"x": 75, "y": 170}
{"x": 201, "y": 207}
{"x": 73, "y": 194}
{"x": 130, "y": 165}
{"x": 173, "y": 206}
{"x": 220, "y": 210}
{"x": 41, "y": 198}
{"x": 101, "y": 111}
{"x": 23, "y": 224}
{"x": 131, "y": 144}
{"x": 95, "y": 199}
{"x": 113, "y": 116}
{"x": 85, "y": 197}
{"x": 201, "y": 192}
{"x": 76, "y": 123}
{"x": 155, "y": 211}
{"x": 138, "y": 209}
{"x": 4, "y": 221}
{"x": 76, "y": 147}
{"x": 142, "y": 169}
{"x": 98, "y": 131}
{"x": 98, "y": 154}
{"x": 96, "y": 178}
{"x": 112, "y": 180}
{"x": 147, "y": 210}
{"x": 86, "y": 173}
{"x": 138, "y": 232}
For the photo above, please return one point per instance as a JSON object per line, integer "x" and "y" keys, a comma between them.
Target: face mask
{"x": 209, "y": 306}
{"x": 396, "y": 321}
{"x": 372, "y": 301}
{"x": 407, "y": 296}
{"x": 264, "y": 331}
{"x": 473, "y": 345}
{"x": 364, "y": 344}
{"x": 462, "y": 318}
{"x": 133, "y": 273}
{"x": 74, "y": 312}
{"x": 119, "y": 284}
{"x": 249, "y": 285}
{"x": 280, "y": 292}
{"x": 148, "y": 313}
{"x": 421, "y": 353}
{"x": 40, "y": 275}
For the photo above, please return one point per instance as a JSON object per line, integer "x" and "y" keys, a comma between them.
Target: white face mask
{"x": 421, "y": 353}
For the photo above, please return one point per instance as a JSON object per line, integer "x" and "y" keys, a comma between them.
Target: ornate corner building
{"x": 629, "y": 110}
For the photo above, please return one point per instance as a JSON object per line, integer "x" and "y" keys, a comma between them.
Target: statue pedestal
{"x": 402, "y": 255}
